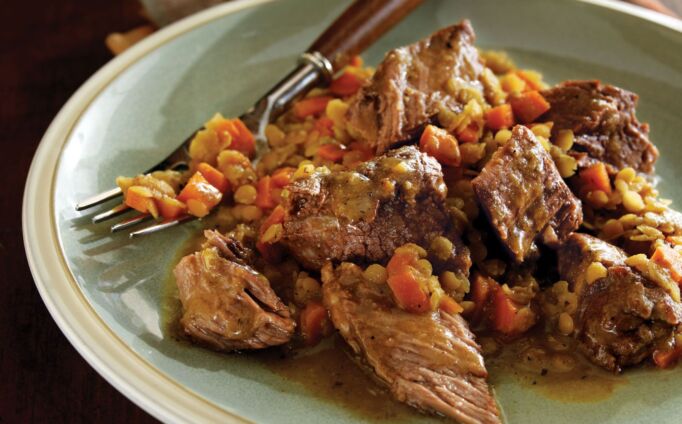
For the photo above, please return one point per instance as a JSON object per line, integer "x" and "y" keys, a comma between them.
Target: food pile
{"x": 446, "y": 194}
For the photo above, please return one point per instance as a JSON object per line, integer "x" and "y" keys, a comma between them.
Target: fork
{"x": 357, "y": 28}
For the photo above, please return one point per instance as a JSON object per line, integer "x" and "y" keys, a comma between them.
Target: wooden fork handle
{"x": 358, "y": 27}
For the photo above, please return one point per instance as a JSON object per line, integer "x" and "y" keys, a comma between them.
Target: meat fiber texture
{"x": 226, "y": 304}
{"x": 524, "y": 197}
{"x": 429, "y": 361}
{"x": 410, "y": 86}
{"x": 621, "y": 318}
{"x": 364, "y": 215}
{"x": 602, "y": 118}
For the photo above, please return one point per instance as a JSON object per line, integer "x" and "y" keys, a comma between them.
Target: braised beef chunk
{"x": 410, "y": 86}
{"x": 226, "y": 304}
{"x": 524, "y": 197}
{"x": 603, "y": 120}
{"x": 621, "y": 318}
{"x": 579, "y": 251}
{"x": 429, "y": 361}
{"x": 366, "y": 214}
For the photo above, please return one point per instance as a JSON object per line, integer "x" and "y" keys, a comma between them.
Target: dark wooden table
{"x": 47, "y": 50}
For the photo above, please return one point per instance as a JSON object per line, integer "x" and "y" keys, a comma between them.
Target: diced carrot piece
{"x": 345, "y": 85}
{"x": 331, "y": 152}
{"x": 500, "y": 117}
{"x": 171, "y": 208}
{"x": 271, "y": 253}
{"x": 481, "y": 288}
{"x": 313, "y": 318}
{"x": 401, "y": 260}
{"x": 450, "y": 305}
{"x": 356, "y": 61}
{"x": 214, "y": 177}
{"x": 282, "y": 177}
{"x": 470, "y": 133}
{"x": 670, "y": 259}
{"x": 276, "y": 217}
{"x": 245, "y": 142}
{"x": 199, "y": 190}
{"x": 264, "y": 199}
{"x": 138, "y": 197}
{"x": 506, "y": 317}
{"x": 311, "y": 106}
{"x": 441, "y": 145}
{"x": 239, "y": 135}
{"x": 408, "y": 292}
{"x": 594, "y": 178}
{"x": 529, "y": 106}
{"x": 324, "y": 125}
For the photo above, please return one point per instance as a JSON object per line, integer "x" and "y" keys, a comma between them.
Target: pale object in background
{"x": 117, "y": 42}
{"x": 163, "y": 12}
{"x": 656, "y": 5}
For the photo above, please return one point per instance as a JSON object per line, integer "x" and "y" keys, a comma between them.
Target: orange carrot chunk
{"x": 198, "y": 192}
{"x": 282, "y": 177}
{"x": 441, "y": 145}
{"x": 500, "y": 117}
{"x": 138, "y": 198}
{"x": 313, "y": 321}
{"x": 264, "y": 199}
{"x": 669, "y": 258}
{"x": 408, "y": 292}
{"x": 310, "y": 106}
{"x": 214, "y": 177}
{"x": 324, "y": 125}
{"x": 594, "y": 178}
{"x": 331, "y": 152}
{"x": 171, "y": 208}
{"x": 271, "y": 253}
{"x": 470, "y": 133}
{"x": 506, "y": 315}
{"x": 450, "y": 305}
{"x": 241, "y": 138}
{"x": 345, "y": 85}
{"x": 529, "y": 106}
{"x": 481, "y": 288}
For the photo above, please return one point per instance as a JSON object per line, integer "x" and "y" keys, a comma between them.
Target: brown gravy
{"x": 327, "y": 371}
{"x": 559, "y": 374}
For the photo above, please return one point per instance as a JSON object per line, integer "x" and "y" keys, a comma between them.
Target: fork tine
{"x": 111, "y": 213}
{"x": 99, "y": 198}
{"x": 160, "y": 226}
{"x": 130, "y": 222}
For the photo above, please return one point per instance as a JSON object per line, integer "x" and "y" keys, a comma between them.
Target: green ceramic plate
{"x": 106, "y": 292}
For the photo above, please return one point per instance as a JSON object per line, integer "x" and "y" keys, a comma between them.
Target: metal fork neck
{"x": 313, "y": 70}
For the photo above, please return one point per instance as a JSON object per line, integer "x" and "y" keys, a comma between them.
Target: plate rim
{"x": 133, "y": 376}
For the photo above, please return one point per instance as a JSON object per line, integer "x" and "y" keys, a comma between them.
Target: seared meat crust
{"x": 603, "y": 120}
{"x": 622, "y": 318}
{"x": 524, "y": 197}
{"x": 410, "y": 86}
{"x": 364, "y": 215}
